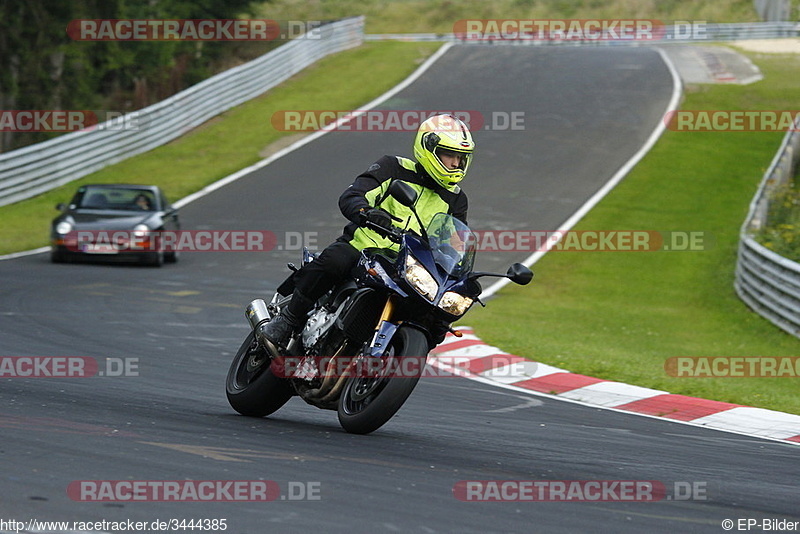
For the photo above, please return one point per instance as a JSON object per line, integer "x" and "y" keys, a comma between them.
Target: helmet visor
{"x": 452, "y": 160}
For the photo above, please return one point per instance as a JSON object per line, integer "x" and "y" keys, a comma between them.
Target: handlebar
{"x": 393, "y": 233}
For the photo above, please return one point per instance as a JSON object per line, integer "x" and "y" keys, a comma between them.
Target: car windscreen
{"x": 111, "y": 198}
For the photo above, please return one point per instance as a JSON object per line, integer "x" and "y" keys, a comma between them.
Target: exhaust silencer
{"x": 257, "y": 313}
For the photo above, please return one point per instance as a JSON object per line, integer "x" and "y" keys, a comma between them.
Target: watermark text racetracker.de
{"x": 193, "y": 490}
{"x": 410, "y": 366}
{"x": 577, "y": 30}
{"x": 390, "y": 120}
{"x": 192, "y": 29}
{"x": 592, "y": 240}
{"x": 46, "y": 120}
{"x": 61, "y": 120}
{"x": 579, "y": 491}
{"x": 732, "y": 121}
{"x": 113, "y": 241}
{"x": 66, "y": 367}
{"x": 733, "y": 367}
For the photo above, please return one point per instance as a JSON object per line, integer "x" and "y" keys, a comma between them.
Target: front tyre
{"x": 57, "y": 256}
{"x": 251, "y": 387}
{"x": 367, "y": 402}
{"x": 153, "y": 259}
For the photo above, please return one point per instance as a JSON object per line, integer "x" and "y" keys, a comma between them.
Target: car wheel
{"x": 154, "y": 259}
{"x": 56, "y": 256}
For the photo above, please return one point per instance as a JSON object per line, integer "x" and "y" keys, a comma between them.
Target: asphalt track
{"x": 587, "y": 111}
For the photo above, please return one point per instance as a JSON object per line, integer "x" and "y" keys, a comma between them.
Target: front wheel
{"x": 153, "y": 259}
{"x": 57, "y": 256}
{"x": 368, "y": 400}
{"x": 251, "y": 387}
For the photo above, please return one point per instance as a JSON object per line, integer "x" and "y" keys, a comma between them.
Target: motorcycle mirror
{"x": 519, "y": 274}
{"x": 403, "y": 193}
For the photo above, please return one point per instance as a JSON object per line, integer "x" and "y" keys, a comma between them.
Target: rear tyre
{"x": 368, "y": 402}
{"x": 251, "y": 387}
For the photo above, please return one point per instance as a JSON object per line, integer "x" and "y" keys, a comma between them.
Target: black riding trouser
{"x": 314, "y": 279}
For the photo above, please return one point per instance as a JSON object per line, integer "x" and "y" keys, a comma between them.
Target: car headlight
{"x": 420, "y": 279}
{"x": 63, "y": 228}
{"x": 455, "y": 304}
{"x": 141, "y": 230}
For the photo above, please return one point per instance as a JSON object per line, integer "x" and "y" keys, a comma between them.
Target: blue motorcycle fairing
{"x": 383, "y": 278}
{"x": 423, "y": 254}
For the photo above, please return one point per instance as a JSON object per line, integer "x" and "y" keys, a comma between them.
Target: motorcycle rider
{"x": 443, "y": 149}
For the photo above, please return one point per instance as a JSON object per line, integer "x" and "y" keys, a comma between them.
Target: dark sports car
{"x": 114, "y": 221}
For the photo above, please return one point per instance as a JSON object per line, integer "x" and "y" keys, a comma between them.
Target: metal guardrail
{"x": 38, "y": 168}
{"x": 766, "y": 281}
{"x": 689, "y": 32}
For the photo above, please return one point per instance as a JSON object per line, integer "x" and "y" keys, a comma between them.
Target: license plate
{"x": 99, "y": 248}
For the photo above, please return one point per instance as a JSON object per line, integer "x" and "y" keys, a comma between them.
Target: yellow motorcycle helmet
{"x": 444, "y": 133}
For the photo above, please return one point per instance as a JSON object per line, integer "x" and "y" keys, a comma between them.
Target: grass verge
{"x": 620, "y": 315}
{"x": 232, "y": 140}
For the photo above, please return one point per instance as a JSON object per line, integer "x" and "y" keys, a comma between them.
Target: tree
{"x": 41, "y": 68}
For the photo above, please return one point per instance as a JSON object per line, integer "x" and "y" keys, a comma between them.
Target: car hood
{"x": 109, "y": 220}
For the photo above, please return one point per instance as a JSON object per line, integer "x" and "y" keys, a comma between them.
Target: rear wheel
{"x": 251, "y": 387}
{"x": 368, "y": 400}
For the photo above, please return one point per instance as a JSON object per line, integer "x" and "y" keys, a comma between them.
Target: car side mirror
{"x": 519, "y": 274}
{"x": 61, "y": 206}
{"x": 403, "y": 193}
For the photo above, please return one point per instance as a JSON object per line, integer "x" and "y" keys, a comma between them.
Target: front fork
{"x": 384, "y": 331}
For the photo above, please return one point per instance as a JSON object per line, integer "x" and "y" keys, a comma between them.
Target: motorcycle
{"x": 364, "y": 345}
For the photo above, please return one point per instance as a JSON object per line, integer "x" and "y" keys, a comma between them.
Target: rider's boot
{"x": 277, "y": 333}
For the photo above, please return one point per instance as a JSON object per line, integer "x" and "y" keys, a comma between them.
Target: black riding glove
{"x": 378, "y": 216}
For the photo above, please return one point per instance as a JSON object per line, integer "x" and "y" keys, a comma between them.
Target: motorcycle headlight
{"x": 455, "y": 304}
{"x": 63, "y": 228}
{"x": 420, "y": 279}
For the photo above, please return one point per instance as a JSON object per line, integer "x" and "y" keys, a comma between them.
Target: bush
{"x": 780, "y": 233}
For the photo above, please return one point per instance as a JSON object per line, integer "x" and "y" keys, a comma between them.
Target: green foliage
{"x": 781, "y": 234}
{"x": 42, "y": 68}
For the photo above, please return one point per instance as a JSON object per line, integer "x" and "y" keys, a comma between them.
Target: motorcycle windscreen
{"x": 453, "y": 244}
